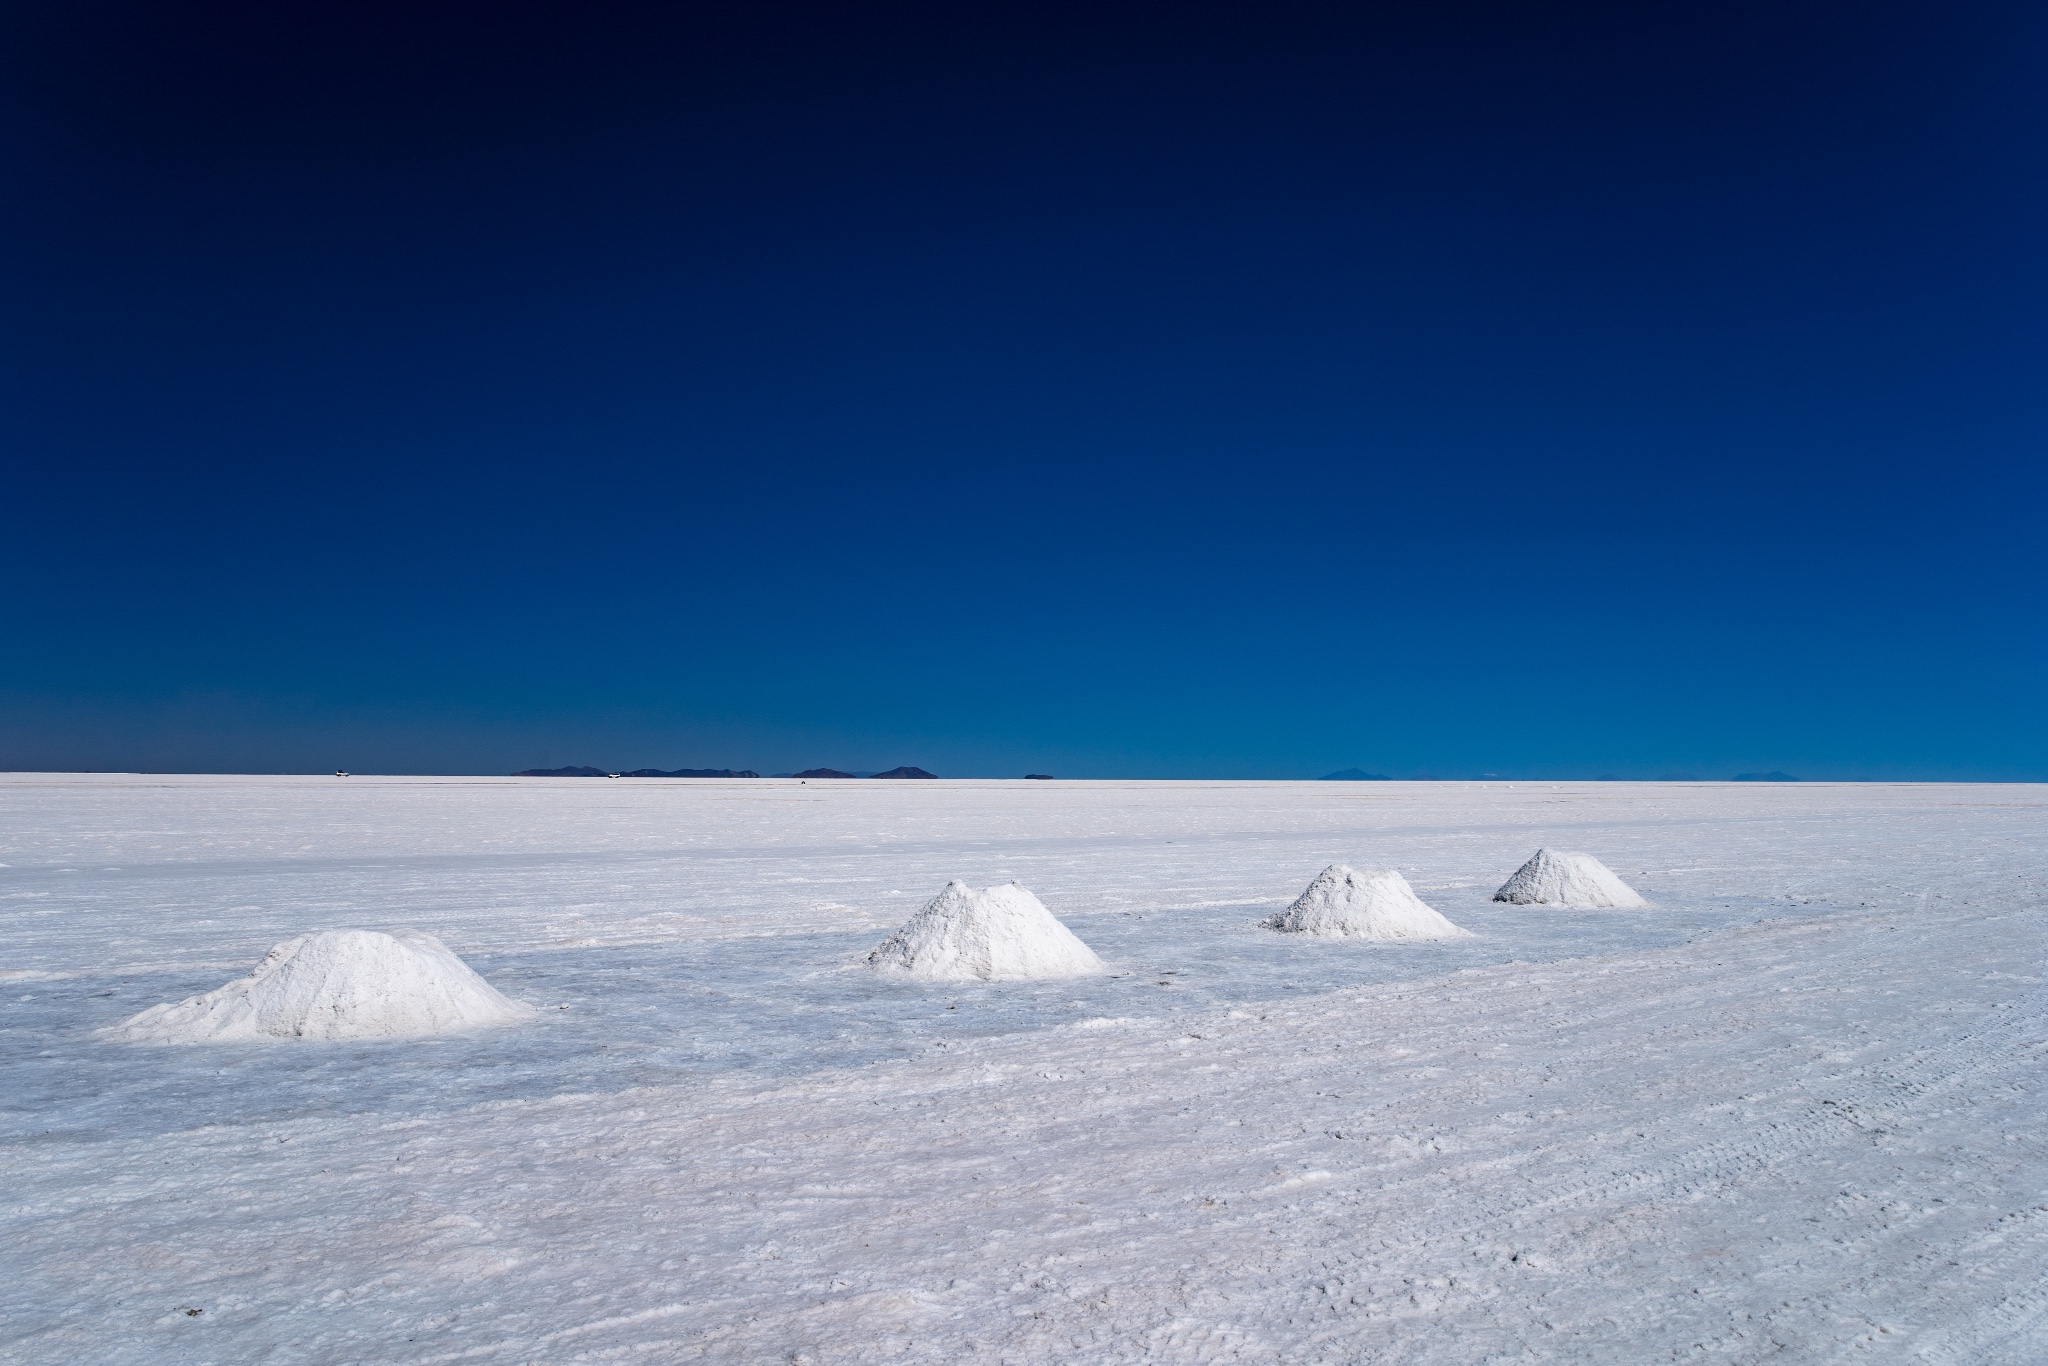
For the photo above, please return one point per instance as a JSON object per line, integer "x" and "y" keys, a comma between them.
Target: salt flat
{"x": 1794, "y": 1110}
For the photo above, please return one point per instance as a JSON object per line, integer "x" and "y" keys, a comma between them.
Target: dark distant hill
{"x": 571, "y": 772}
{"x": 821, "y": 773}
{"x": 906, "y": 772}
{"x": 1353, "y": 775}
{"x": 1772, "y": 777}
{"x": 692, "y": 773}
{"x": 1040, "y": 777}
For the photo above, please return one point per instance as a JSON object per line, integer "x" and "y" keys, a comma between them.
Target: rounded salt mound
{"x": 998, "y": 934}
{"x": 335, "y": 984}
{"x": 1574, "y": 881}
{"x": 1343, "y": 903}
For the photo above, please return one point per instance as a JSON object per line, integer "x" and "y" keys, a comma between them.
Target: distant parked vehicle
{"x": 341, "y": 773}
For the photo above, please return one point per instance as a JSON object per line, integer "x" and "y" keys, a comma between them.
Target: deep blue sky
{"x": 1236, "y": 391}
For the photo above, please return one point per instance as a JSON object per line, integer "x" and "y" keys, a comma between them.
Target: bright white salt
{"x": 1343, "y": 903}
{"x": 995, "y": 934}
{"x": 335, "y": 984}
{"x": 721, "y": 1123}
{"x": 1576, "y": 881}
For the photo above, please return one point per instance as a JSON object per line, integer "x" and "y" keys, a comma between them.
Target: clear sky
{"x": 1105, "y": 390}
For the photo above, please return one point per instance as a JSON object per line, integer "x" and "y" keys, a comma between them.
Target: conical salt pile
{"x": 1343, "y": 903}
{"x": 1576, "y": 881}
{"x": 999, "y": 934}
{"x": 335, "y": 984}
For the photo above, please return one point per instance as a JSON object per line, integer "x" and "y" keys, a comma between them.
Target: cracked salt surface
{"x": 1791, "y": 1110}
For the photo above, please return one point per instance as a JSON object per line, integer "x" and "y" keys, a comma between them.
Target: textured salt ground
{"x": 1647, "y": 1140}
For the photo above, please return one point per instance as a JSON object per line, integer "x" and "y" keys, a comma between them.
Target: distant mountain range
{"x": 1353, "y": 775}
{"x": 585, "y": 771}
{"x": 1343, "y": 775}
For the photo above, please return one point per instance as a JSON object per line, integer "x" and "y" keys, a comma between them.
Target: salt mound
{"x": 1579, "y": 881}
{"x": 335, "y": 984}
{"x": 999, "y": 934}
{"x": 1343, "y": 903}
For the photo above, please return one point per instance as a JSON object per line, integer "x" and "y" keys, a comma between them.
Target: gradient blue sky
{"x": 1105, "y": 390}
